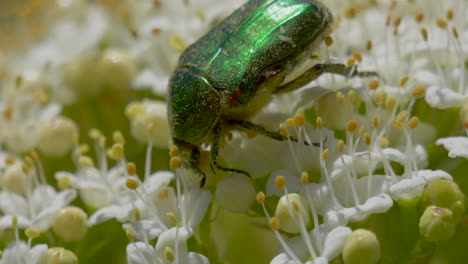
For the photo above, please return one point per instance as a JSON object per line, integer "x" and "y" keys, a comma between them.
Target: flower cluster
{"x": 371, "y": 165}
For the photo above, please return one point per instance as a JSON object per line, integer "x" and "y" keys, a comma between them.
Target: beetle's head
{"x": 194, "y": 106}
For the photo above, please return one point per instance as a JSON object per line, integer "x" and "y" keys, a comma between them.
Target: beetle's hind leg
{"x": 318, "y": 69}
{"x": 214, "y": 154}
{"x": 277, "y": 135}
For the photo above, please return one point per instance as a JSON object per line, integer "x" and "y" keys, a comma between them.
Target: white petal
{"x": 457, "y": 146}
{"x": 407, "y": 189}
{"x": 157, "y": 180}
{"x": 195, "y": 258}
{"x": 198, "y": 208}
{"x": 334, "y": 242}
{"x": 37, "y": 253}
{"x": 145, "y": 229}
{"x": 172, "y": 236}
{"x": 140, "y": 253}
{"x": 443, "y": 98}
{"x": 120, "y": 213}
{"x": 6, "y": 221}
{"x": 282, "y": 259}
{"x": 374, "y": 205}
{"x": 13, "y": 203}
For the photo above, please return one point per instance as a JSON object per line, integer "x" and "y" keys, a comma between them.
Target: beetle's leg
{"x": 318, "y": 69}
{"x": 249, "y": 126}
{"x": 214, "y": 153}
{"x": 194, "y": 158}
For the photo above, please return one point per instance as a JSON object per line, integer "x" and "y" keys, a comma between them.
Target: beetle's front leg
{"x": 214, "y": 153}
{"x": 249, "y": 126}
{"x": 318, "y": 69}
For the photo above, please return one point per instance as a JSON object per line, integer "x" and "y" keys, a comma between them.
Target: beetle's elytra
{"x": 228, "y": 75}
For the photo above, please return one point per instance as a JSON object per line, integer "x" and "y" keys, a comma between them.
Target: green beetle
{"x": 231, "y": 73}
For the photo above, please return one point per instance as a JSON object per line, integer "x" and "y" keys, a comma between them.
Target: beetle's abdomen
{"x": 193, "y": 106}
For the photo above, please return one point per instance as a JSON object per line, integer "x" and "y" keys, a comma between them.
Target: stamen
{"x": 174, "y": 163}
{"x": 131, "y": 168}
{"x": 174, "y": 151}
{"x": 132, "y": 184}
{"x": 413, "y": 122}
{"x": 280, "y": 182}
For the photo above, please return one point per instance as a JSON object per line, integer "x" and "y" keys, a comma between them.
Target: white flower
{"x": 457, "y": 146}
{"x": 21, "y": 253}
{"x": 170, "y": 248}
{"x": 35, "y": 210}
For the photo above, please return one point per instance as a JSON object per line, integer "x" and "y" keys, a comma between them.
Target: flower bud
{"x": 436, "y": 224}
{"x": 81, "y": 76}
{"x": 148, "y": 122}
{"x": 446, "y": 194}
{"x": 361, "y": 246}
{"x": 60, "y": 256}
{"x": 70, "y": 223}
{"x": 116, "y": 69}
{"x": 57, "y": 136}
{"x": 335, "y": 115}
{"x": 14, "y": 179}
{"x": 296, "y": 204}
{"x": 235, "y": 193}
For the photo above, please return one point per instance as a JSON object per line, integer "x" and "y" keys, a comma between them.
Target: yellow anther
{"x": 102, "y": 142}
{"x": 280, "y": 182}
{"x": 290, "y": 122}
{"x": 397, "y": 22}
{"x": 10, "y": 160}
{"x": 340, "y": 98}
{"x": 325, "y": 154}
{"x": 340, "y": 146}
{"x": 350, "y": 12}
{"x": 14, "y": 221}
{"x": 424, "y": 33}
{"x": 351, "y": 96}
{"x": 275, "y": 223}
{"x": 32, "y": 233}
{"x": 169, "y": 254}
{"x": 362, "y": 129}
{"x": 328, "y": 41}
{"x": 136, "y": 213}
{"x": 418, "y": 91}
{"x": 404, "y": 80}
{"x": 116, "y": 152}
{"x": 94, "y": 133}
{"x": 174, "y": 151}
{"x": 174, "y": 163}
{"x": 131, "y": 168}
{"x": 357, "y": 55}
{"x": 29, "y": 161}
{"x": 64, "y": 181}
{"x": 299, "y": 119}
{"x": 85, "y": 161}
{"x": 352, "y": 126}
{"x": 35, "y": 156}
{"x": 25, "y": 168}
{"x": 305, "y": 178}
{"x": 455, "y": 32}
{"x": 380, "y": 97}
{"x": 260, "y": 197}
{"x": 164, "y": 194}
{"x": 156, "y": 31}
{"x": 402, "y": 115}
{"x": 368, "y": 45}
{"x": 450, "y": 14}
{"x": 375, "y": 121}
{"x": 284, "y": 130}
{"x": 319, "y": 123}
{"x": 83, "y": 149}
{"x": 132, "y": 184}
{"x": 177, "y": 43}
{"x": 8, "y": 113}
{"x": 441, "y": 23}
{"x": 384, "y": 142}
{"x": 118, "y": 137}
{"x": 397, "y": 124}
{"x": 368, "y": 138}
{"x": 172, "y": 217}
{"x": 413, "y": 122}
{"x": 351, "y": 62}
{"x": 374, "y": 84}
{"x": 129, "y": 233}
{"x": 419, "y": 17}
{"x": 390, "y": 103}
